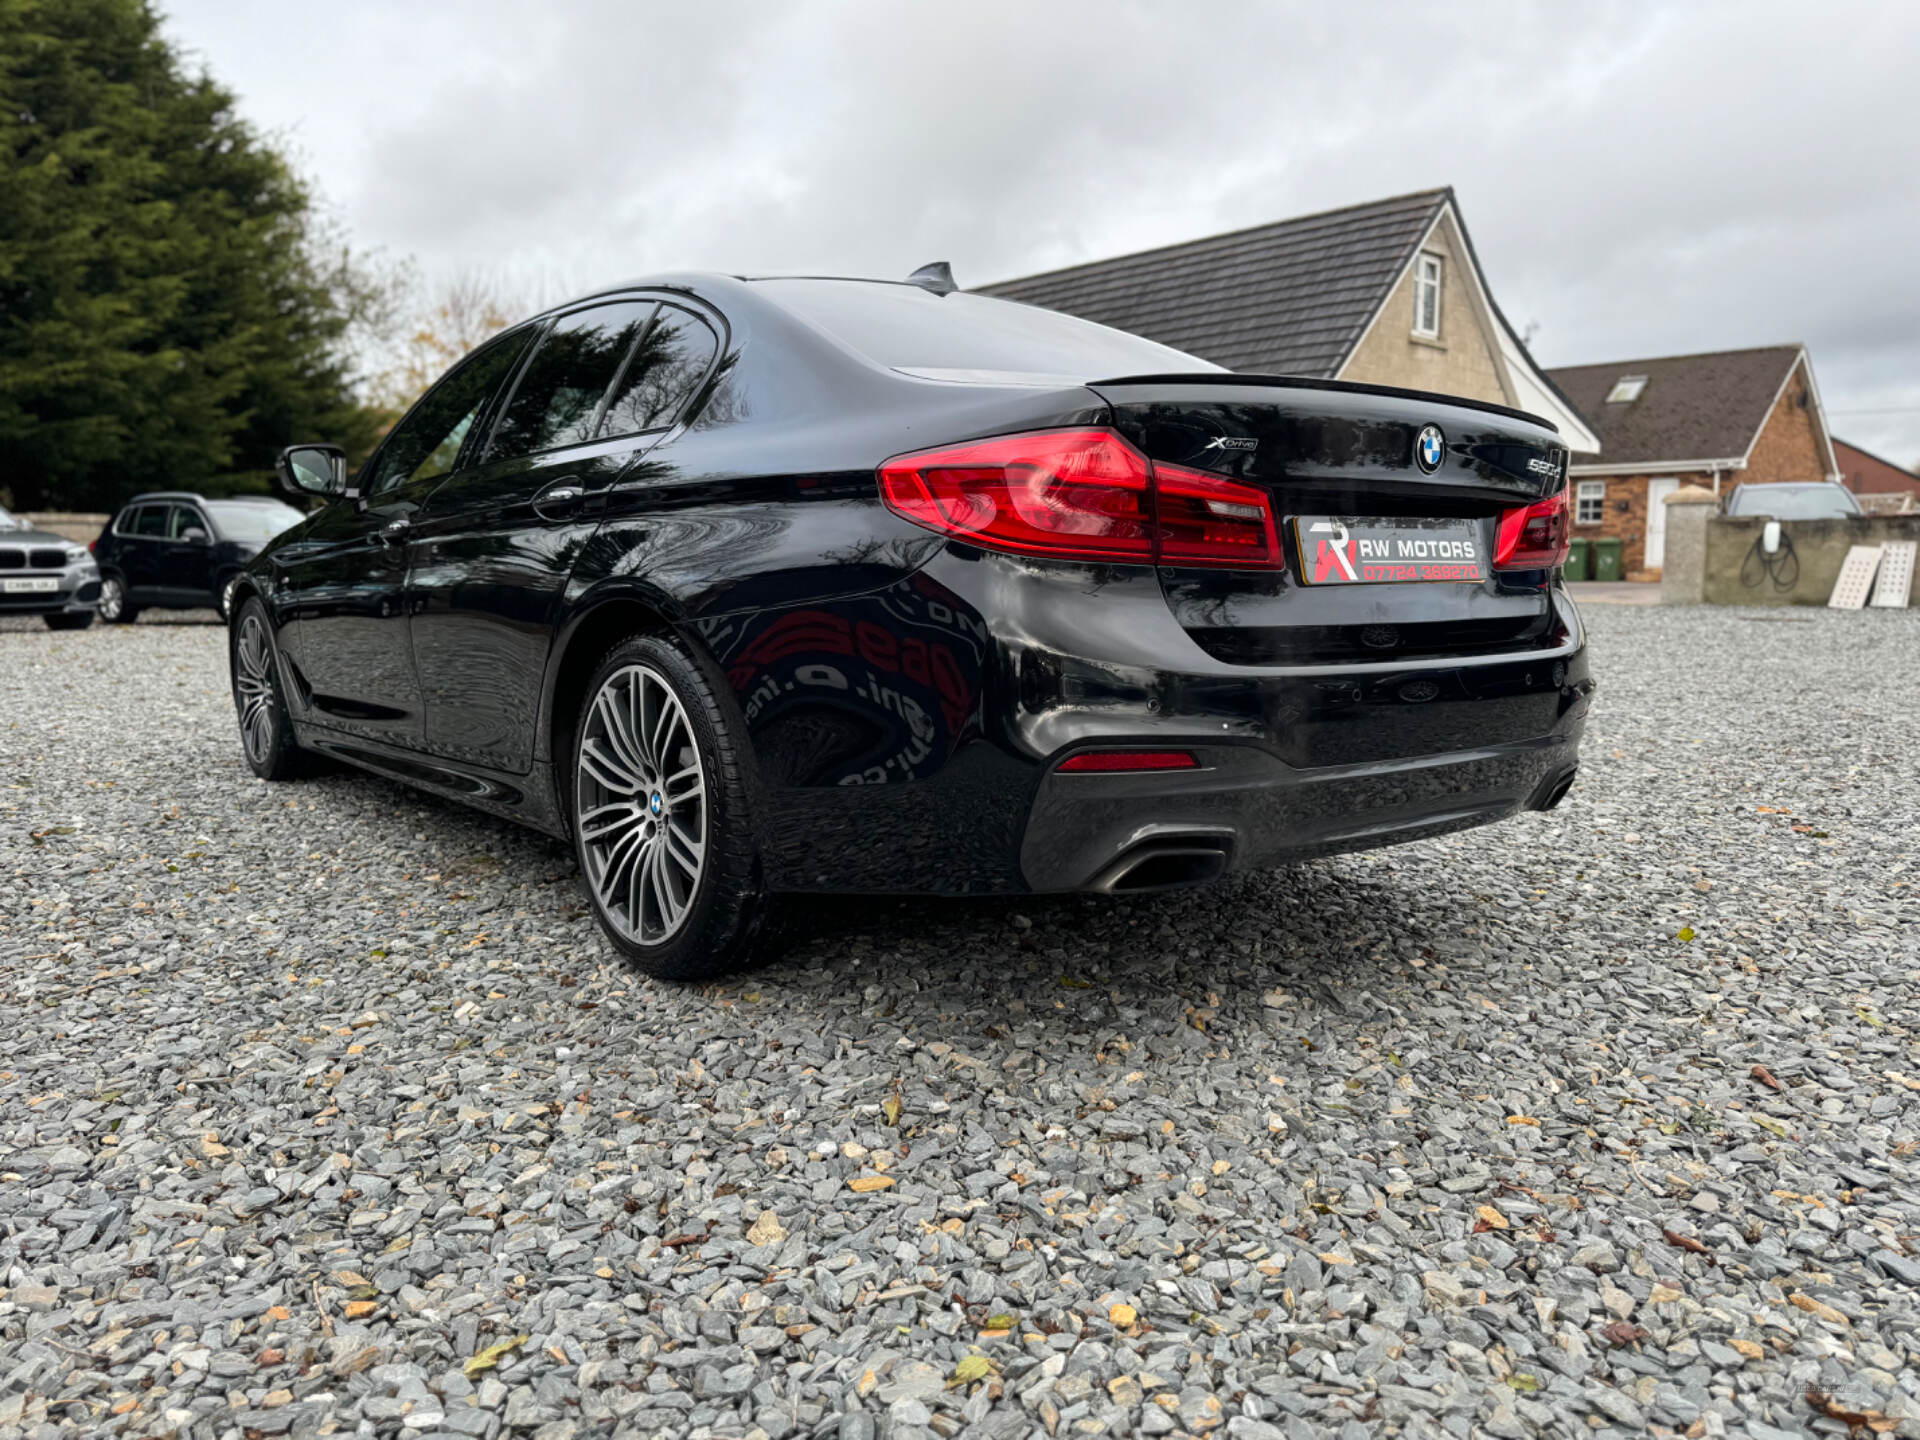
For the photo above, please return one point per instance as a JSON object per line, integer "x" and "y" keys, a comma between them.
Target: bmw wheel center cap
{"x": 1430, "y": 448}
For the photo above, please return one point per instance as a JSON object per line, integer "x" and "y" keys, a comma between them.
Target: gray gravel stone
{"x": 312, "y": 1093}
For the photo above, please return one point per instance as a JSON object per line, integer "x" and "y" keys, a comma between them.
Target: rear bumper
{"x": 951, "y": 789}
{"x": 1246, "y": 809}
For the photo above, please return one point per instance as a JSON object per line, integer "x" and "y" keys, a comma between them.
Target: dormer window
{"x": 1626, "y": 389}
{"x": 1426, "y": 297}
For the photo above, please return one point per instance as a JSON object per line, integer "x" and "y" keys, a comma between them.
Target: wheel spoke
{"x": 683, "y": 783}
{"x": 683, "y": 850}
{"x": 619, "y": 734}
{"x": 606, "y": 821}
{"x": 608, "y": 773}
{"x": 620, "y": 856}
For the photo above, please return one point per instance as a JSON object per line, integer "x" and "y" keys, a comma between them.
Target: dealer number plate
{"x": 1372, "y": 550}
{"x": 35, "y": 585}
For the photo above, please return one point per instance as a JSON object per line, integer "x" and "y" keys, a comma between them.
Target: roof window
{"x": 1626, "y": 389}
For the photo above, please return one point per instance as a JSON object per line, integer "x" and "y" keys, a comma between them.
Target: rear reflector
{"x": 1082, "y": 495}
{"x": 1534, "y": 537}
{"x": 1107, "y": 762}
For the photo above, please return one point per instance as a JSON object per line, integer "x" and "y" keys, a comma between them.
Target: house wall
{"x": 1464, "y": 361}
{"x": 1866, "y": 474}
{"x": 1628, "y": 525}
{"x": 1789, "y": 447}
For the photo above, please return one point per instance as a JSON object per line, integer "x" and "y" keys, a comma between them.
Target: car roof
{"x": 203, "y": 499}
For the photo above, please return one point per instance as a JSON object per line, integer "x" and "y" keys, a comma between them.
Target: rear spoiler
{"x": 1302, "y": 382}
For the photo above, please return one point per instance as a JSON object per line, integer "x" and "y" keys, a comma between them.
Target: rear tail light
{"x": 1205, "y": 520}
{"x": 1534, "y": 537}
{"x": 93, "y": 546}
{"x": 1082, "y": 495}
{"x": 1111, "y": 762}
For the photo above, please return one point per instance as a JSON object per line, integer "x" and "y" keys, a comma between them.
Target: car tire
{"x": 661, "y": 810}
{"x": 115, "y": 607}
{"x": 259, "y": 702}
{"x": 69, "y": 622}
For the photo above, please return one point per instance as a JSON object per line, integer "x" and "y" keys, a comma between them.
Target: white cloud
{"x": 1638, "y": 180}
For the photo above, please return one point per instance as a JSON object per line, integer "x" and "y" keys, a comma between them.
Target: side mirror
{"x": 194, "y": 535}
{"x": 313, "y": 470}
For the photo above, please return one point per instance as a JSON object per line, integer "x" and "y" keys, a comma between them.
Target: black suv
{"x": 178, "y": 551}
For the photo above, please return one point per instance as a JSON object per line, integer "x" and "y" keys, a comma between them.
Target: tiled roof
{"x": 1693, "y": 407}
{"x": 1291, "y": 298}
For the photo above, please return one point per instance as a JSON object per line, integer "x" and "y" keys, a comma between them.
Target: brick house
{"x": 1735, "y": 417}
{"x": 1388, "y": 293}
{"x": 1880, "y": 485}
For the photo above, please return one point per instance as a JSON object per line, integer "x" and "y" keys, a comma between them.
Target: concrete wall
{"x": 1821, "y": 546}
{"x": 70, "y": 525}
{"x": 1463, "y": 361}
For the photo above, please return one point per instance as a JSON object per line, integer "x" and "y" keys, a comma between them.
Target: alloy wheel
{"x": 113, "y": 598}
{"x": 641, "y": 805}
{"x": 253, "y": 689}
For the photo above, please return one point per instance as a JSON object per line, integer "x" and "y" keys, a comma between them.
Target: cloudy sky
{"x": 1638, "y": 179}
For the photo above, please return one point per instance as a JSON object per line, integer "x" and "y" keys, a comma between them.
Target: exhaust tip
{"x": 1553, "y": 790}
{"x": 1175, "y": 864}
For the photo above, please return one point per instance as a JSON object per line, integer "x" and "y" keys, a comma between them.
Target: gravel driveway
{"x": 322, "y": 1110}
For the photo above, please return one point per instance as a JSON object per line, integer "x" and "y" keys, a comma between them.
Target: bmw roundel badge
{"x": 1430, "y": 448}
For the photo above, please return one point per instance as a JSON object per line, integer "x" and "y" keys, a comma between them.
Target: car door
{"x": 186, "y": 563}
{"x": 493, "y": 547}
{"x": 340, "y": 591}
{"x": 143, "y": 537}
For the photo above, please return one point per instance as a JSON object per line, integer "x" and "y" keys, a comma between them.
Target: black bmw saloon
{"x": 758, "y": 585}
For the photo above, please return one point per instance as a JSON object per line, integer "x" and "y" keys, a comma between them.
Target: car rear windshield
{"x": 1794, "y": 502}
{"x": 241, "y": 520}
{"x": 971, "y": 338}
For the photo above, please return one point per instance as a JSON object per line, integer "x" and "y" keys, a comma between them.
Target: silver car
{"x": 47, "y": 575}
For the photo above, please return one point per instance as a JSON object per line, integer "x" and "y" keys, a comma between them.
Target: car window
{"x": 427, "y": 443}
{"x": 250, "y": 520}
{"x": 150, "y": 520}
{"x": 971, "y": 338}
{"x": 182, "y": 519}
{"x": 557, "y": 399}
{"x": 1794, "y": 502}
{"x": 670, "y": 361}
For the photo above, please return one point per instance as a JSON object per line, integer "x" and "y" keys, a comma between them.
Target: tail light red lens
{"x": 1112, "y": 762}
{"x": 1082, "y": 495}
{"x": 1209, "y": 521}
{"x": 1534, "y": 537}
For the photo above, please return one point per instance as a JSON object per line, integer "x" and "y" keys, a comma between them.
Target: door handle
{"x": 391, "y": 532}
{"x": 557, "y": 499}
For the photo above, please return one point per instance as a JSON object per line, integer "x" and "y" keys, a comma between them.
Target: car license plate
{"x": 32, "y": 586}
{"x": 1373, "y": 550}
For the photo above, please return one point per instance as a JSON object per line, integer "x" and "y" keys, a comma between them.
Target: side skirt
{"x": 526, "y": 799}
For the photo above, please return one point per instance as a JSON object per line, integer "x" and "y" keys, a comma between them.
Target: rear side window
{"x": 149, "y": 520}
{"x": 557, "y": 401}
{"x": 183, "y": 519}
{"x": 671, "y": 361}
{"x": 972, "y": 338}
